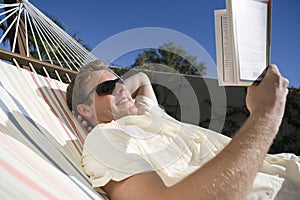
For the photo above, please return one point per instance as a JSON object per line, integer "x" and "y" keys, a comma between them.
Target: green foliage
{"x": 231, "y": 124}
{"x": 292, "y": 110}
{"x": 120, "y": 71}
{"x": 288, "y": 139}
{"x": 171, "y": 56}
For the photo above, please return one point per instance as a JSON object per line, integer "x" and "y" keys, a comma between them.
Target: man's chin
{"x": 129, "y": 111}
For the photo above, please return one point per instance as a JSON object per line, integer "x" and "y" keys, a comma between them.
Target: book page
{"x": 223, "y": 47}
{"x": 251, "y": 29}
{"x": 219, "y": 44}
{"x": 227, "y": 49}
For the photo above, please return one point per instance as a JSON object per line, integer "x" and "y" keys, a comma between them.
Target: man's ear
{"x": 85, "y": 110}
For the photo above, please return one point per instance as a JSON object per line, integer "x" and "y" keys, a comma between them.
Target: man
{"x": 136, "y": 151}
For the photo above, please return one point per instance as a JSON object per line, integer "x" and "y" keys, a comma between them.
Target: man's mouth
{"x": 123, "y": 101}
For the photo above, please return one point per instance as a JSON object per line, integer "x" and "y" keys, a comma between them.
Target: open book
{"x": 243, "y": 34}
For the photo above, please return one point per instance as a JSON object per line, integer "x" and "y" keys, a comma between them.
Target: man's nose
{"x": 119, "y": 88}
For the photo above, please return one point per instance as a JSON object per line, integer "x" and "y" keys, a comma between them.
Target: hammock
{"x": 40, "y": 141}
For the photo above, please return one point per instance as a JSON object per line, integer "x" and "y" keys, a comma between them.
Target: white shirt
{"x": 154, "y": 141}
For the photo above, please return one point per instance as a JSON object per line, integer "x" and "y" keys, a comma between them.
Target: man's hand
{"x": 84, "y": 123}
{"x": 139, "y": 84}
{"x": 270, "y": 95}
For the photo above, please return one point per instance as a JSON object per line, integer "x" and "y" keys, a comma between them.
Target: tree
{"x": 172, "y": 56}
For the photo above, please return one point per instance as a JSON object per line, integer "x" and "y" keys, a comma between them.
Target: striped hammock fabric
{"x": 40, "y": 140}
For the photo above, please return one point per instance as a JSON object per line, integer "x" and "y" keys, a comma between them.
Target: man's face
{"x": 113, "y": 106}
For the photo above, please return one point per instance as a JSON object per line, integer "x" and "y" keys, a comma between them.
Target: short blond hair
{"x": 76, "y": 89}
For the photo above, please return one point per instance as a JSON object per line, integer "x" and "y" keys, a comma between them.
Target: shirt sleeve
{"x": 145, "y": 104}
{"x": 109, "y": 155}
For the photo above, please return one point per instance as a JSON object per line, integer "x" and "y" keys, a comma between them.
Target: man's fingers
{"x": 285, "y": 83}
{"x": 273, "y": 72}
{"x": 273, "y": 76}
{"x": 273, "y": 68}
{"x": 84, "y": 123}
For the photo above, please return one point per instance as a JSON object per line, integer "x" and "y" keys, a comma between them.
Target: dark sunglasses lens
{"x": 107, "y": 87}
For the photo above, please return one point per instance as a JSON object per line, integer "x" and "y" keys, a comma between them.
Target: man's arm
{"x": 139, "y": 84}
{"x": 231, "y": 173}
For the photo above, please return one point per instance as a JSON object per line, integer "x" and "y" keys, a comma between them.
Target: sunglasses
{"x": 104, "y": 88}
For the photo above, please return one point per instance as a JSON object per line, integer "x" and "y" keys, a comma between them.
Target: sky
{"x": 96, "y": 21}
